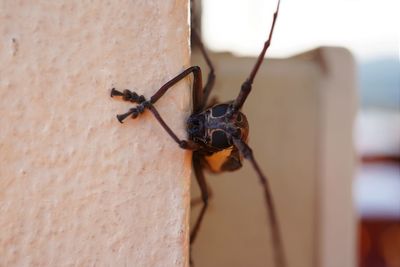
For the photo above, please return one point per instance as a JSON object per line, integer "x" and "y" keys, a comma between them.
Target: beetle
{"x": 217, "y": 133}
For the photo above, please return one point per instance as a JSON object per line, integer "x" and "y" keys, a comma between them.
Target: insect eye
{"x": 219, "y": 139}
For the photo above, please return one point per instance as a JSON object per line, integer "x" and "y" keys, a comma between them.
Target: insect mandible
{"x": 217, "y": 135}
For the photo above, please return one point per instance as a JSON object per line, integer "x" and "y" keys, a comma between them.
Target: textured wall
{"x": 76, "y": 187}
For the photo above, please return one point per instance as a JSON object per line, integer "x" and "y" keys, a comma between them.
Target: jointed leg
{"x": 197, "y": 94}
{"x": 128, "y": 95}
{"x": 246, "y": 86}
{"x": 198, "y": 200}
{"x": 211, "y": 75}
{"x": 276, "y": 235}
{"x": 197, "y": 89}
{"x": 198, "y": 170}
{"x": 185, "y": 144}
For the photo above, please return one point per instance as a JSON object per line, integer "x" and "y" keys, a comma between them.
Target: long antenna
{"x": 266, "y": 46}
{"x": 246, "y": 86}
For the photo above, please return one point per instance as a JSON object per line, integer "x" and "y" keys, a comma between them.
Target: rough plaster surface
{"x": 76, "y": 187}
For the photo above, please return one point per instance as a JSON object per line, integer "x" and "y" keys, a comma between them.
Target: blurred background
{"x": 233, "y": 32}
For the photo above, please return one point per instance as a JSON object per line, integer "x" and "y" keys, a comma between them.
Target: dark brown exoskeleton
{"x": 214, "y": 128}
{"x": 217, "y": 135}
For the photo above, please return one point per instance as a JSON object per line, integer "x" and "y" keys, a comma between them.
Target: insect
{"x": 217, "y": 134}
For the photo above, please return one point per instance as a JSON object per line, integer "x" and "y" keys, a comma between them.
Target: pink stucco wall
{"x": 76, "y": 187}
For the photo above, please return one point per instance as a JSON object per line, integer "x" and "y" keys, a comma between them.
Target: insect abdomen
{"x": 224, "y": 160}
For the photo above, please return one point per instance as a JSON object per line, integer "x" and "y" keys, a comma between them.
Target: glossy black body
{"x": 215, "y": 127}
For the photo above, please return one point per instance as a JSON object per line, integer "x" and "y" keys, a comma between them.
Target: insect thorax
{"x": 214, "y": 127}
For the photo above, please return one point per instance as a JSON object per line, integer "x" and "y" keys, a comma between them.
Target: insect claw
{"x": 133, "y": 111}
{"x": 120, "y": 119}
{"x": 115, "y": 92}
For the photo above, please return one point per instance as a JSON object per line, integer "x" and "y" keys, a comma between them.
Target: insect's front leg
{"x": 185, "y": 144}
{"x": 128, "y": 95}
{"x": 144, "y": 104}
{"x": 141, "y": 107}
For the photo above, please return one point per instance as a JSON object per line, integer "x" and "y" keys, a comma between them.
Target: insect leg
{"x": 185, "y": 144}
{"x": 275, "y": 232}
{"x": 246, "y": 86}
{"x": 128, "y": 95}
{"x": 148, "y": 104}
{"x": 198, "y": 200}
{"x": 197, "y": 94}
{"x": 211, "y": 75}
{"x": 198, "y": 170}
